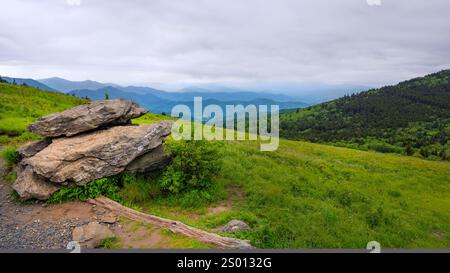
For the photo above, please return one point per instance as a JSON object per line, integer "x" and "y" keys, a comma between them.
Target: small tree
{"x": 106, "y": 96}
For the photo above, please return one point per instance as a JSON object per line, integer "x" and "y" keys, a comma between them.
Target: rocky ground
{"x": 37, "y": 225}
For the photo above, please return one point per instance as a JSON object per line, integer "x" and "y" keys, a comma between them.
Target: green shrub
{"x": 10, "y": 155}
{"x": 384, "y": 147}
{"x": 105, "y": 186}
{"x": 194, "y": 164}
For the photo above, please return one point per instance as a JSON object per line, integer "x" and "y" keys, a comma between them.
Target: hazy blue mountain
{"x": 312, "y": 93}
{"x": 231, "y": 94}
{"x": 187, "y": 94}
{"x": 29, "y": 82}
{"x": 164, "y": 102}
{"x": 65, "y": 86}
{"x": 148, "y": 90}
{"x": 149, "y": 101}
{"x": 309, "y": 92}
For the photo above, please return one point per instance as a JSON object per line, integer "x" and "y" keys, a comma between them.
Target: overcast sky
{"x": 136, "y": 42}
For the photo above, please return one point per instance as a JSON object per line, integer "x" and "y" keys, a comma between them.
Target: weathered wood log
{"x": 174, "y": 226}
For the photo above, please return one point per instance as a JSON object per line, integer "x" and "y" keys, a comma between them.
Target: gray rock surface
{"x": 91, "y": 235}
{"x": 156, "y": 159}
{"x": 87, "y": 117}
{"x": 235, "y": 226}
{"x": 86, "y": 157}
{"x": 30, "y": 149}
{"x": 30, "y": 185}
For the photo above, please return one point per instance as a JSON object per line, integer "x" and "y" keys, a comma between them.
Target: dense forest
{"x": 412, "y": 118}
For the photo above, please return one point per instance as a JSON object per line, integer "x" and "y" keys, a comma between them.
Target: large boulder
{"x": 87, "y": 117}
{"x": 89, "y": 156}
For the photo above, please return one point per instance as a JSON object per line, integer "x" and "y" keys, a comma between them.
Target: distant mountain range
{"x": 159, "y": 101}
{"x": 66, "y": 86}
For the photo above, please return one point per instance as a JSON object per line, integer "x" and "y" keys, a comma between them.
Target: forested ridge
{"x": 412, "y": 117}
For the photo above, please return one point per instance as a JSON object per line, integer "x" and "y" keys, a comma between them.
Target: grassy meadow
{"x": 308, "y": 195}
{"x": 303, "y": 195}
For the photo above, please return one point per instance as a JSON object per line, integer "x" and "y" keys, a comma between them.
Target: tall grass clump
{"x": 10, "y": 155}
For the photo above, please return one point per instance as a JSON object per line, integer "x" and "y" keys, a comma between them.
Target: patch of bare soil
{"x": 135, "y": 235}
{"x": 218, "y": 209}
{"x": 234, "y": 196}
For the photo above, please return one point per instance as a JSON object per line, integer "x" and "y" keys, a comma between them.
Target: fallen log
{"x": 174, "y": 226}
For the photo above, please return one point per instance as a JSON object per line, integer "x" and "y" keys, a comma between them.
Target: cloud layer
{"x": 345, "y": 41}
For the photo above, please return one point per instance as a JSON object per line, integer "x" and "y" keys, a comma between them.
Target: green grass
{"x": 308, "y": 195}
{"x": 150, "y": 118}
{"x": 176, "y": 241}
{"x": 10, "y": 155}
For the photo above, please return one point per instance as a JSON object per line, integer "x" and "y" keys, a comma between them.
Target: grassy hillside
{"x": 302, "y": 195}
{"x": 21, "y": 105}
{"x": 311, "y": 195}
{"x": 412, "y": 117}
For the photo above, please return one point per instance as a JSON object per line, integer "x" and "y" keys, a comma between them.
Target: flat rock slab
{"x": 87, "y": 117}
{"x": 89, "y": 156}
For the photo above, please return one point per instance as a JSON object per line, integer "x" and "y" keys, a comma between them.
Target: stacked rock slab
{"x": 88, "y": 142}
{"x": 87, "y": 117}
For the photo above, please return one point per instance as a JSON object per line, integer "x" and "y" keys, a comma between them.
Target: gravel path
{"x": 38, "y": 226}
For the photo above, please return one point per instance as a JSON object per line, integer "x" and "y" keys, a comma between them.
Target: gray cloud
{"x": 164, "y": 41}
